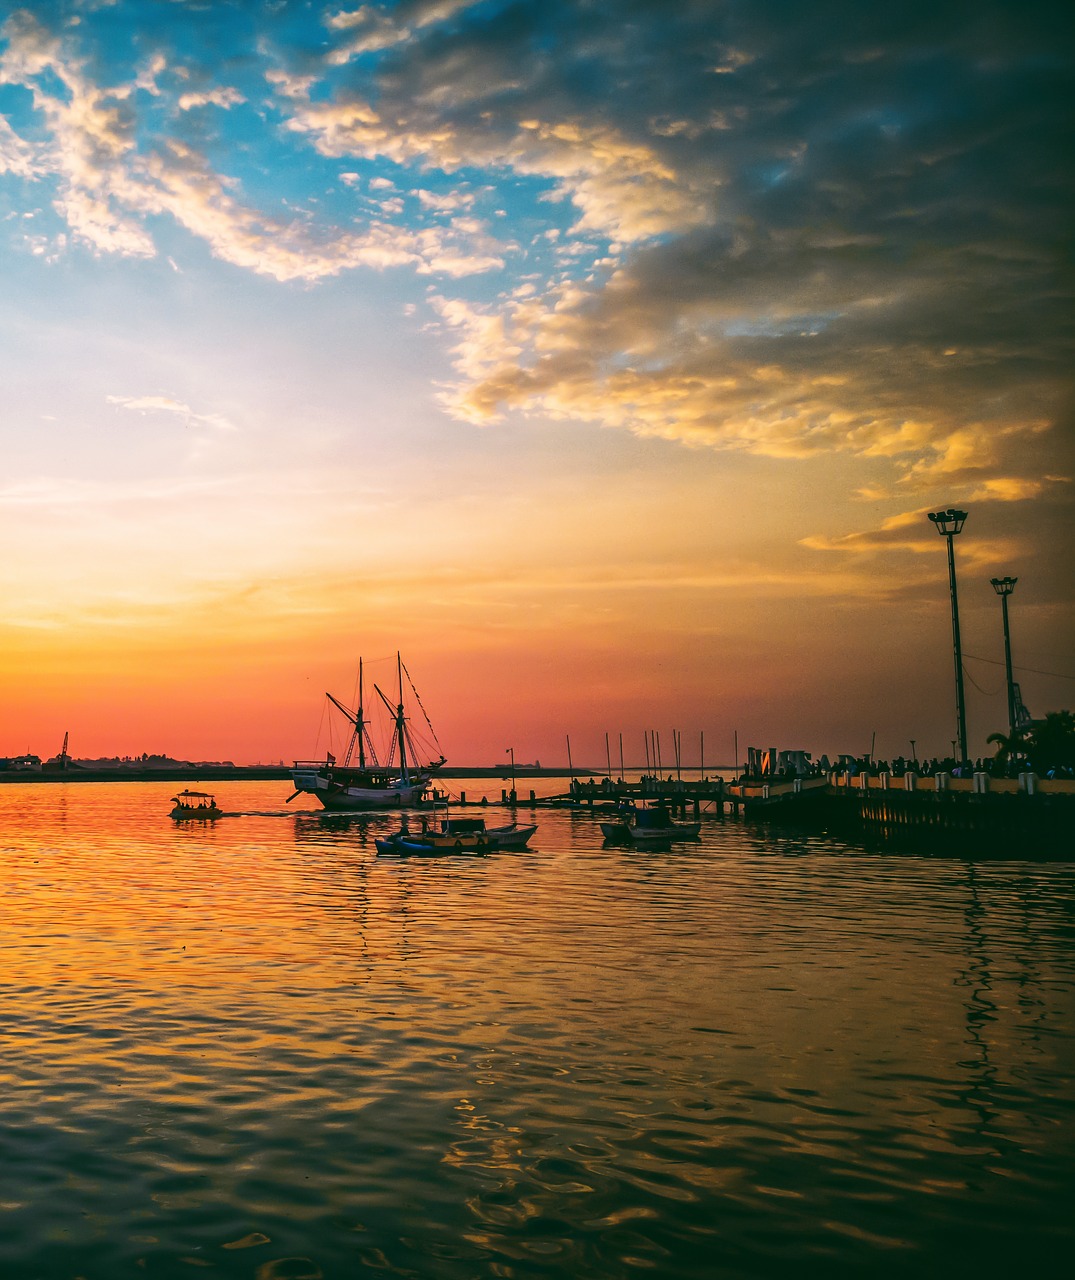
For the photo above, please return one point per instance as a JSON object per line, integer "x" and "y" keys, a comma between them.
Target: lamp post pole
{"x": 1004, "y": 587}
{"x": 511, "y": 752}
{"x": 948, "y": 524}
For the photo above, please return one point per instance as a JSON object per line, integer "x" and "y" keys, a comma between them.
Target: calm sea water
{"x": 255, "y": 1049}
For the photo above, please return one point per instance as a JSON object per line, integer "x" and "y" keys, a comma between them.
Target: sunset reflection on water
{"x": 252, "y": 1042}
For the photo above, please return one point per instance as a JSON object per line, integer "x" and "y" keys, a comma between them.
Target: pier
{"x": 599, "y": 795}
{"x": 937, "y": 814}
{"x": 1025, "y": 815}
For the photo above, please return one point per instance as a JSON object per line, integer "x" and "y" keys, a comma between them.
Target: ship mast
{"x": 400, "y": 729}
{"x": 358, "y": 720}
{"x": 360, "y": 725}
{"x": 400, "y": 719}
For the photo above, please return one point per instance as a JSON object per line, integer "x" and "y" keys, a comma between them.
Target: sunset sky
{"x": 603, "y": 357}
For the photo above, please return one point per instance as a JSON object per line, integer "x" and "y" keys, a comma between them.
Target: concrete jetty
{"x": 941, "y": 813}
{"x": 936, "y": 814}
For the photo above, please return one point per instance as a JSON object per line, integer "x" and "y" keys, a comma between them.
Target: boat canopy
{"x": 192, "y": 795}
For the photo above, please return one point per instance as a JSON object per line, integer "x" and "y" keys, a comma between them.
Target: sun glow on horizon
{"x": 605, "y": 386}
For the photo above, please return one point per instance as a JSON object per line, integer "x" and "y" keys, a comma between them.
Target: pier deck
{"x": 1024, "y": 816}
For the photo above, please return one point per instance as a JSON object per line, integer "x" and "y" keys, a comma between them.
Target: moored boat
{"x": 362, "y": 781}
{"x": 405, "y": 846}
{"x": 652, "y": 825}
{"x": 515, "y": 835}
{"x": 199, "y": 805}
{"x": 456, "y": 835}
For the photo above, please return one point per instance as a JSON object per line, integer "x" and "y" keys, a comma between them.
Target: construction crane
{"x": 62, "y": 758}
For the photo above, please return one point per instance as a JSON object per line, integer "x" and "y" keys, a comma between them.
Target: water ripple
{"x": 256, "y": 1048}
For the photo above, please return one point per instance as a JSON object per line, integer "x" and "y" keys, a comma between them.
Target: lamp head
{"x": 948, "y": 522}
{"x": 1003, "y": 586}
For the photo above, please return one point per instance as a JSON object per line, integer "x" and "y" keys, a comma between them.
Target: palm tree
{"x": 1048, "y": 743}
{"x": 1009, "y": 745}
{"x": 1052, "y": 742}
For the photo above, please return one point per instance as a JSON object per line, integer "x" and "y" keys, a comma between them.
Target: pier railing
{"x": 976, "y": 784}
{"x": 752, "y": 792}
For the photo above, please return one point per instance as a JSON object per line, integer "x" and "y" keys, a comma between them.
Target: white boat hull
{"x": 350, "y": 799}
{"x": 511, "y": 837}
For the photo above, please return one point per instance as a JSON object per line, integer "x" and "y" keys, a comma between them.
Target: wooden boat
{"x": 199, "y": 805}
{"x": 515, "y": 835}
{"x": 362, "y": 781}
{"x": 652, "y": 825}
{"x": 455, "y": 835}
{"x": 406, "y": 846}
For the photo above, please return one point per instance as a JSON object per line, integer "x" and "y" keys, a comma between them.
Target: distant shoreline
{"x": 250, "y": 773}
{"x": 182, "y": 773}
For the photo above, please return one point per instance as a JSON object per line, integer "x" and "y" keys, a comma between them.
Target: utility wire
{"x": 991, "y": 693}
{"x": 1059, "y": 675}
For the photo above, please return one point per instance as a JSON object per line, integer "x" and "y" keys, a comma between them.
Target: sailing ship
{"x": 362, "y": 780}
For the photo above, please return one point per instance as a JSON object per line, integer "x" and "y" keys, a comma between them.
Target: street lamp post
{"x": 511, "y": 752}
{"x": 948, "y": 524}
{"x": 1004, "y": 587}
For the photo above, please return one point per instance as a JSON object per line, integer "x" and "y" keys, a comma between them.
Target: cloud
{"x": 372, "y": 28}
{"x": 446, "y": 202}
{"x": 659, "y": 360}
{"x": 92, "y": 135}
{"x": 739, "y": 227}
{"x": 907, "y": 531}
{"x": 814, "y": 244}
{"x": 620, "y": 187}
{"x": 16, "y": 156}
{"x": 224, "y": 97}
{"x": 110, "y": 183}
{"x": 911, "y": 532}
{"x": 164, "y": 404}
{"x": 1015, "y": 488}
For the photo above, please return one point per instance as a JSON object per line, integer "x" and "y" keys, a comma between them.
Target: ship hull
{"x": 342, "y": 794}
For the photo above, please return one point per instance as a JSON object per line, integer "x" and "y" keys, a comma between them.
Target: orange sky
{"x": 614, "y": 401}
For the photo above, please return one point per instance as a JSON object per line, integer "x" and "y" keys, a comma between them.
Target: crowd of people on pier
{"x": 998, "y": 766}
{"x": 853, "y": 767}
{"x": 995, "y": 766}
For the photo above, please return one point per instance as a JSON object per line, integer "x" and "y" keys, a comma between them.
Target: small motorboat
{"x": 404, "y": 846}
{"x": 455, "y": 835}
{"x": 653, "y": 825}
{"x": 199, "y": 805}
